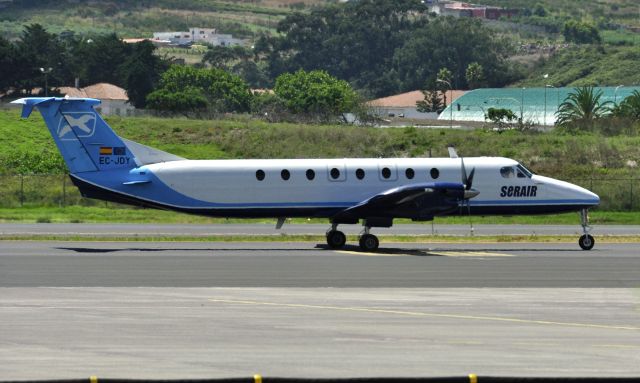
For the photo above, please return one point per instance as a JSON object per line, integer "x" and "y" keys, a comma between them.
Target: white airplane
{"x": 346, "y": 191}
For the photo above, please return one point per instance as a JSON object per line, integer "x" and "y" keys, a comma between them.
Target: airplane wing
{"x": 416, "y": 201}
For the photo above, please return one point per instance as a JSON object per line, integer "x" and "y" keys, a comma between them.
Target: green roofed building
{"x": 535, "y": 105}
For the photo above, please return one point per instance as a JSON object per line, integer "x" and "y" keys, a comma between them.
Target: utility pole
{"x": 46, "y": 80}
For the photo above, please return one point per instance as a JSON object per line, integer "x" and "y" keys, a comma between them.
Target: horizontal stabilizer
{"x": 146, "y": 155}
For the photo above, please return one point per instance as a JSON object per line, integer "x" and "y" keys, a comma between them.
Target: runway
{"x": 284, "y": 264}
{"x": 214, "y": 309}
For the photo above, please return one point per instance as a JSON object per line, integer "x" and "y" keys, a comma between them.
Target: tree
{"x": 435, "y": 98}
{"x": 141, "y": 72}
{"x": 475, "y": 75}
{"x": 581, "y": 108}
{"x": 7, "y": 64}
{"x": 500, "y": 117}
{"x": 629, "y": 107}
{"x": 187, "y": 89}
{"x": 315, "y": 93}
{"x": 454, "y": 44}
{"x": 581, "y": 33}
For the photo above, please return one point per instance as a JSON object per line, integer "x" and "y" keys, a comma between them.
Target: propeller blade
{"x": 464, "y": 171}
{"x": 470, "y": 179}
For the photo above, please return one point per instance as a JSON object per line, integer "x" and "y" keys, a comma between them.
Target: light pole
{"x": 450, "y": 101}
{"x": 544, "y": 122}
{"x": 545, "y": 101}
{"x": 615, "y": 95}
{"x": 522, "y": 106}
{"x": 46, "y": 80}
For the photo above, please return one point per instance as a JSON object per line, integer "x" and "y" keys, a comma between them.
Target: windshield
{"x": 528, "y": 173}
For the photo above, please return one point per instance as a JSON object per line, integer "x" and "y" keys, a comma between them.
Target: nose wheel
{"x": 586, "y": 240}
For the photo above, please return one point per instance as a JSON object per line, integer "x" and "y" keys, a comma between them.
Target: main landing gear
{"x": 336, "y": 239}
{"x": 586, "y": 241}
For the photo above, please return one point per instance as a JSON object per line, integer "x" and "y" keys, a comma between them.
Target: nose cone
{"x": 561, "y": 190}
{"x": 470, "y": 193}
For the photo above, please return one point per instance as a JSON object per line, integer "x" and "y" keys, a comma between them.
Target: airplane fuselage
{"x": 321, "y": 187}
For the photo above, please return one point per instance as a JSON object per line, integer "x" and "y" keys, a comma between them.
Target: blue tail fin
{"x": 84, "y": 139}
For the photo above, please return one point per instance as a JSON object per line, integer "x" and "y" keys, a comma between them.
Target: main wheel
{"x": 586, "y": 242}
{"x": 336, "y": 239}
{"x": 369, "y": 242}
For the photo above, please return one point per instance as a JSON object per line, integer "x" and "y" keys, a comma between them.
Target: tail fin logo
{"x": 76, "y": 125}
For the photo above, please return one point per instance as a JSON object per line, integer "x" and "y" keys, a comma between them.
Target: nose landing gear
{"x": 586, "y": 240}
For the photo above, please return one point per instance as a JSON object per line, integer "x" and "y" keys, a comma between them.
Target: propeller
{"x": 467, "y": 181}
{"x": 469, "y": 193}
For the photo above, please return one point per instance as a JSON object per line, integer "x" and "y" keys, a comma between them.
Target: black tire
{"x": 586, "y": 242}
{"x": 369, "y": 242}
{"x": 336, "y": 239}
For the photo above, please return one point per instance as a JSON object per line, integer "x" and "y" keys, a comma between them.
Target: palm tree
{"x": 582, "y": 107}
{"x": 629, "y": 107}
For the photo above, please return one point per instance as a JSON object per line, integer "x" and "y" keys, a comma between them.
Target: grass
{"x": 113, "y": 214}
{"x": 606, "y": 165}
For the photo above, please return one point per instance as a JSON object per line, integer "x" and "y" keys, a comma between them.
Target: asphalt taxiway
{"x": 214, "y": 309}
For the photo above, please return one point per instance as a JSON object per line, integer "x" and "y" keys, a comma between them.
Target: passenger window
{"x": 285, "y": 174}
{"x": 311, "y": 174}
{"x": 335, "y": 173}
{"x": 386, "y": 173}
{"x": 260, "y": 175}
{"x": 409, "y": 173}
{"x": 435, "y": 173}
{"x": 507, "y": 172}
{"x": 359, "y": 174}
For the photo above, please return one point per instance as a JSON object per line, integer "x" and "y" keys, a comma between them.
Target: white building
{"x": 198, "y": 35}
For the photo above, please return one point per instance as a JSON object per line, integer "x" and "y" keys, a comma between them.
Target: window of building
{"x": 386, "y": 173}
{"x": 311, "y": 174}
{"x": 435, "y": 173}
{"x": 285, "y": 174}
{"x": 260, "y": 175}
{"x": 409, "y": 173}
{"x": 359, "y": 174}
{"x": 335, "y": 173}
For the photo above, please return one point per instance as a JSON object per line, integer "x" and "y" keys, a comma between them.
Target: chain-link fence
{"x": 58, "y": 190}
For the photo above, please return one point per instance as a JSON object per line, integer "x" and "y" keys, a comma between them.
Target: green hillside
{"x": 142, "y": 18}
{"x": 588, "y": 65}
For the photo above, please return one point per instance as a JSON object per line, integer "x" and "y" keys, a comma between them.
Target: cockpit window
{"x": 507, "y": 172}
{"x": 526, "y": 172}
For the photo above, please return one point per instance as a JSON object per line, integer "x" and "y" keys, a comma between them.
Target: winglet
{"x": 452, "y": 152}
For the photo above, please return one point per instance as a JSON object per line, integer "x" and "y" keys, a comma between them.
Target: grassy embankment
{"x": 27, "y": 148}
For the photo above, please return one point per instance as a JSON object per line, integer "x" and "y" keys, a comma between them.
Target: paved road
{"x": 264, "y": 229}
{"x": 193, "y": 264}
{"x": 212, "y": 310}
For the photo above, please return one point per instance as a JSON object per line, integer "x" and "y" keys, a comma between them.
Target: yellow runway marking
{"x": 469, "y": 254}
{"x": 427, "y": 315}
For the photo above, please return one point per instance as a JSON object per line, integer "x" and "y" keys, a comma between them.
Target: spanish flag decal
{"x": 106, "y": 151}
